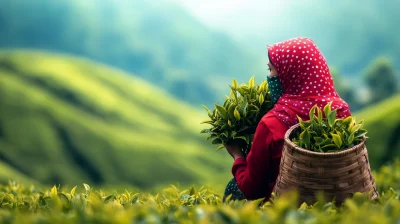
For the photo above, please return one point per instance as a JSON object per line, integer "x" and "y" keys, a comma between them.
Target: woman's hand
{"x": 234, "y": 151}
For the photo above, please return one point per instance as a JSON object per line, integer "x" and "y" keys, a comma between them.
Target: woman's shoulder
{"x": 274, "y": 125}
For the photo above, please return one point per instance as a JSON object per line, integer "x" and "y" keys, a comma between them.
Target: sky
{"x": 241, "y": 18}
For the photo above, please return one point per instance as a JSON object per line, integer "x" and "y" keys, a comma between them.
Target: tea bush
{"x": 22, "y": 204}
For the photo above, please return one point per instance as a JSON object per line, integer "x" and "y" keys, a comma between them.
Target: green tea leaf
{"x": 219, "y": 123}
{"x": 226, "y": 102}
{"x": 87, "y": 187}
{"x": 221, "y": 111}
{"x": 109, "y": 198}
{"x": 347, "y": 121}
{"x": 232, "y": 94}
{"x": 305, "y": 137}
{"x": 224, "y": 134}
{"x": 327, "y": 109}
{"x": 248, "y": 139}
{"x": 241, "y": 90}
{"x": 337, "y": 140}
{"x": 338, "y": 122}
{"x": 261, "y": 99}
{"x": 243, "y": 108}
{"x": 331, "y": 118}
{"x": 231, "y": 110}
{"x": 211, "y": 136}
{"x": 235, "y": 83}
{"x": 360, "y": 133}
{"x": 251, "y": 82}
{"x": 245, "y": 88}
{"x": 192, "y": 191}
{"x": 225, "y": 127}
{"x": 236, "y": 114}
{"x": 351, "y": 125}
{"x": 207, "y": 122}
{"x": 319, "y": 114}
{"x": 205, "y": 131}
{"x": 240, "y": 137}
{"x": 318, "y": 139}
{"x": 254, "y": 107}
{"x": 54, "y": 191}
{"x": 216, "y": 141}
{"x": 73, "y": 191}
{"x": 259, "y": 90}
{"x": 312, "y": 112}
{"x": 350, "y": 139}
{"x": 208, "y": 111}
{"x": 220, "y": 147}
{"x": 329, "y": 147}
{"x": 233, "y": 134}
{"x": 355, "y": 128}
{"x": 300, "y": 120}
{"x": 306, "y": 124}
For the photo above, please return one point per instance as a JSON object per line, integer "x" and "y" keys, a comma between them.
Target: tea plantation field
{"x": 68, "y": 120}
{"x": 84, "y": 204}
{"x": 382, "y": 121}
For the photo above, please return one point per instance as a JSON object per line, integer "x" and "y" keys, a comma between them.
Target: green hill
{"x": 8, "y": 173}
{"x": 382, "y": 121}
{"x": 69, "y": 120}
{"x": 156, "y": 40}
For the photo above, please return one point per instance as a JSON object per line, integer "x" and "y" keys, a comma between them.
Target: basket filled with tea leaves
{"x": 326, "y": 154}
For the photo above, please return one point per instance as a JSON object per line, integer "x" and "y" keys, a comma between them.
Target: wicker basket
{"x": 338, "y": 175}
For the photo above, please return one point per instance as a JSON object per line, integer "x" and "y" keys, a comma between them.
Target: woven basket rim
{"x": 319, "y": 154}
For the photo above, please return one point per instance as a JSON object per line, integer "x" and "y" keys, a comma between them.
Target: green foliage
{"x": 86, "y": 204}
{"x": 381, "y": 79}
{"x": 157, "y": 40}
{"x": 346, "y": 89}
{"x": 388, "y": 176}
{"x": 382, "y": 121}
{"x": 65, "y": 120}
{"x": 236, "y": 120}
{"x": 326, "y": 133}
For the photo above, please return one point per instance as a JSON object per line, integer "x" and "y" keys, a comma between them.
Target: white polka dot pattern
{"x": 305, "y": 78}
{"x": 275, "y": 88}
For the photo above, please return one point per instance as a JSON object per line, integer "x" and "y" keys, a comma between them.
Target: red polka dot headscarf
{"x": 306, "y": 80}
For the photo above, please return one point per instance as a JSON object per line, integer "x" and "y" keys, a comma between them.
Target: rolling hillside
{"x": 70, "y": 120}
{"x": 156, "y": 40}
{"x": 383, "y": 124}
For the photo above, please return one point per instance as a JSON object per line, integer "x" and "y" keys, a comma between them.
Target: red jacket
{"x": 256, "y": 175}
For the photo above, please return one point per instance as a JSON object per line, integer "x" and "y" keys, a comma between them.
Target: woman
{"x": 299, "y": 78}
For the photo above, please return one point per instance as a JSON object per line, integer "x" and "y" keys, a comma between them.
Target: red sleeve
{"x": 251, "y": 174}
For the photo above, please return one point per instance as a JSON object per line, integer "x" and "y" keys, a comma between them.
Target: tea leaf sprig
{"x": 236, "y": 120}
{"x": 328, "y": 134}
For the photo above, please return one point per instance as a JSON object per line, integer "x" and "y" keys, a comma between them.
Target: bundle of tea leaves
{"x": 236, "y": 120}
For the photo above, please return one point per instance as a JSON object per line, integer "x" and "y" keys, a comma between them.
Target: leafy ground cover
{"x": 83, "y": 204}
{"x": 68, "y": 120}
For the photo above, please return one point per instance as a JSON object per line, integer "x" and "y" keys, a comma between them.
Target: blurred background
{"x": 109, "y": 92}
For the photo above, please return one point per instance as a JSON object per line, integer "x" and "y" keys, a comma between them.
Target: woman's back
{"x": 277, "y": 131}
{"x": 256, "y": 174}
